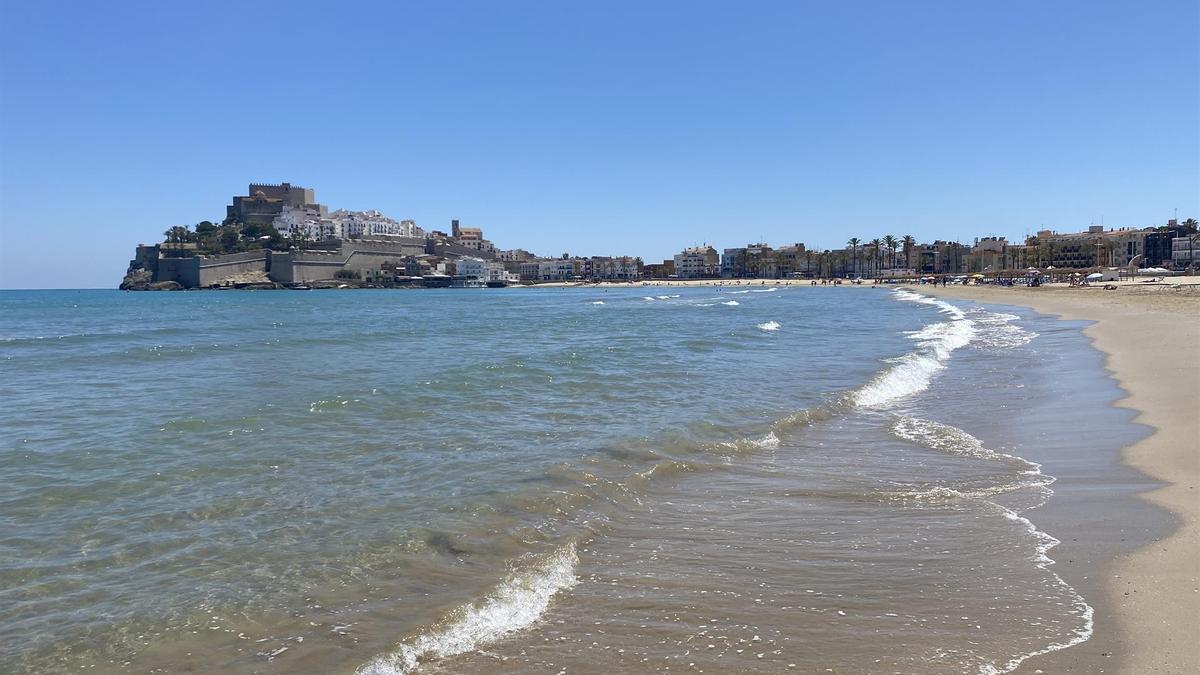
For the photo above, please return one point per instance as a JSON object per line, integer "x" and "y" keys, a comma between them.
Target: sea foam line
{"x": 513, "y": 605}
{"x": 953, "y": 440}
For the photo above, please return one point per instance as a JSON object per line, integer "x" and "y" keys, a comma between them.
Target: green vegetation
{"x": 210, "y": 239}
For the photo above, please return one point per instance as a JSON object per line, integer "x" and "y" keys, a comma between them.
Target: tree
{"x": 909, "y": 244}
{"x": 228, "y": 238}
{"x": 853, "y": 244}
{"x": 890, "y": 242}
{"x": 877, "y": 249}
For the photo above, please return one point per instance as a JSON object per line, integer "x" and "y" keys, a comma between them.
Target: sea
{"x": 737, "y": 478}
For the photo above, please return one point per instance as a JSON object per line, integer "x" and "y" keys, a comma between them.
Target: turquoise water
{"x": 332, "y": 481}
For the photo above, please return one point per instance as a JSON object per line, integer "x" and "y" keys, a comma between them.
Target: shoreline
{"x": 1148, "y": 337}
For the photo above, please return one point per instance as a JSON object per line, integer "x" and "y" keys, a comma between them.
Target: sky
{"x": 602, "y": 128}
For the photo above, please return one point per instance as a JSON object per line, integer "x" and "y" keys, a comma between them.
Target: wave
{"x": 952, "y": 440}
{"x": 997, "y": 330}
{"x": 731, "y": 303}
{"x": 765, "y": 290}
{"x": 598, "y": 302}
{"x": 515, "y": 604}
{"x": 912, "y": 372}
{"x": 769, "y": 326}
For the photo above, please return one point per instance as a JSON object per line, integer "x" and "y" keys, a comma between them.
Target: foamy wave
{"x": 598, "y": 302}
{"x": 765, "y": 290}
{"x": 997, "y": 330}
{"x": 731, "y": 303}
{"x": 515, "y": 604}
{"x": 665, "y": 297}
{"x": 648, "y": 298}
{"x": 943, "y": 437}
{"x": 912, "y": 372}
{"x": 769, "y": 326}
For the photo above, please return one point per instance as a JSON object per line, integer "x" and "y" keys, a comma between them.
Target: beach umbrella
{"x": 976, "y": 276}
{"x": 1095, "y": 276}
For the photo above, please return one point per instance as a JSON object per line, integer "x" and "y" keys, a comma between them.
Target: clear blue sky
{"x": 605, "y": 128}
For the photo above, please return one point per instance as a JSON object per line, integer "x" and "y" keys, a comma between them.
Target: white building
{"x": 472, "y": 268}
{"x": 367, "y": 224}
{"x": 306, "y": 223}
{"x": 515, "y": 255}
{"x": 697, "y": 262}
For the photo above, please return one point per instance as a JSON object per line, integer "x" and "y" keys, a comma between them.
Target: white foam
{"x": 665, "y": 297}
{"x": 765, "y": 290}
{"x": 956, "y": 441}
{"x": 997, "y": 330}
{"x": 598, "y": 302}
{"x": 648, "y": 298}
{"x": 731, "y": 303}
{"x": 912, "y": 372}
{"x": 953, "y": 440}
{"x": 769, "y": 326}
{"x": 514, "y": 604}
{"x": 1045, "y": 542}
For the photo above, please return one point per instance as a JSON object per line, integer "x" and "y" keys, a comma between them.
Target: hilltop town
{"x": 279, "y": 236}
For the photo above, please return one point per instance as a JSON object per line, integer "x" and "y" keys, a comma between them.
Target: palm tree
{"x": 178, "y": 235}
{"x": 890, "y": 242}
{"x": 877, "y": 246}
{"x": 853, "y": 244}
{"x": 909, "y": 243}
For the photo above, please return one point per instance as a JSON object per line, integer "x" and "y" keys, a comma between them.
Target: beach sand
{"x": 1147, "y": 621}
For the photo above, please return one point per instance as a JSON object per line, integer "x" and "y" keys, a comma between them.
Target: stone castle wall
{"x": 285, "y": 267}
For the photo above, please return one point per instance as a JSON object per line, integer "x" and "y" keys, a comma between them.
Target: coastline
{"x": 1148, "y": 337}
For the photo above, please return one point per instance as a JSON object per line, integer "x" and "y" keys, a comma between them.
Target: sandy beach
{"x": 1150, "y": 335}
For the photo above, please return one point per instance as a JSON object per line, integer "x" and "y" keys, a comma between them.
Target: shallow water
{"x": 576, "y": 478}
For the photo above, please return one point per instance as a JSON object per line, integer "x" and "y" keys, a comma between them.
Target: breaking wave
{"x": 769, "y": 326}
{"x": 912, "y": 372}
{"x": 513, "y": 605}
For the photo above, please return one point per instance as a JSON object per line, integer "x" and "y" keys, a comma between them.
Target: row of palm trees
{"x": 878, "y": 247}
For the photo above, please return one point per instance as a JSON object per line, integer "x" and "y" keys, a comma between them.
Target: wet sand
{"x": 1151, "y": 338}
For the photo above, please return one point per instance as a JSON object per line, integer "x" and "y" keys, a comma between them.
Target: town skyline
{"x": 278, "y": 235}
